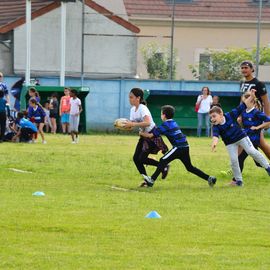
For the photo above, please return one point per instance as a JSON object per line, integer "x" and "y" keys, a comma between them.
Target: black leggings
{"x": 140, "y": 157}
{"x": 183, "y": 155}
{"x": 3, "y": 119}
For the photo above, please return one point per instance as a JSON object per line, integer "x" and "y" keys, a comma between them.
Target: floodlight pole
{"x": 28, "y": 42}
{"x": 63, "y": 43}
{"x": 172, "y": 41}
{"x": 258, "y": 38}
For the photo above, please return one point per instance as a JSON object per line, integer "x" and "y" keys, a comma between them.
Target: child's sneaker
{"x": 237, "y": 183}
{"x": 268, "y": 170}
{"x": 73, "y": 142}
{"x": 212, "y": 181}
{"x": 44, "y": 142}
{"x": 77, "y": 140}
{"x": 148, "y": 180}
{"x": 227, "y": 173}
{"x": 165, "y": 172}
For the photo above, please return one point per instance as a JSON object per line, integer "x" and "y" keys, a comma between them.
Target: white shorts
{"x": 74, "y": 122}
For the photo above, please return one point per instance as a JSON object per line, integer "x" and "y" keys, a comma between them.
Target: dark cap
{"x": 247, "y": 63}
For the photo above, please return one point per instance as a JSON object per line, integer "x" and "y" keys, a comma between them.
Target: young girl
{"x": 141, "y": 117}
{"x": 33, "y": 93}
{"x": 226, "y": 126}
{"x": 53, "y": 112}
{"x": 37, "y": 115}
{"x": 47, "y": 120}
{"x": 64, "y": 110}
{"x": 180, "y": 149}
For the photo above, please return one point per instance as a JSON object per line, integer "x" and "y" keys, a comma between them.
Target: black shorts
{"x": 53, "y": 114}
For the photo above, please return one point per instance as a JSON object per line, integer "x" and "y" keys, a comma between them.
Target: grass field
{"x": 84, "y": 222}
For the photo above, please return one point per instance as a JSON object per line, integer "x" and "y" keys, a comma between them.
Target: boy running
{"x": 180, "y": 149}
{"x": 226, "y": 126}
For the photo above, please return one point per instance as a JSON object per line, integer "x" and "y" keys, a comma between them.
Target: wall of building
{"x": 108, "y": 99}
{"x": 191, "y": 38}
{"x": 106, "y": 56}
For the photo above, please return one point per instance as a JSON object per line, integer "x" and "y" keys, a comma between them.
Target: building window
{"x": 204, "y": 66}
{"x": 263, "y": 1}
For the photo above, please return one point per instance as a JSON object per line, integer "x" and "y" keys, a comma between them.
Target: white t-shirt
{"x": 205, "y": 104}
{"x": 138, "y": 116}
{"x": 74, "y": 106}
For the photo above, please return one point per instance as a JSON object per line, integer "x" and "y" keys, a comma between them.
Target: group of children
{"x": 240, "y": 142}
{"x": 28, "y": 124}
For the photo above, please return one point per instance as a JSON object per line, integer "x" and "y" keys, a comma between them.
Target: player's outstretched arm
{"x": 214, "y": 143}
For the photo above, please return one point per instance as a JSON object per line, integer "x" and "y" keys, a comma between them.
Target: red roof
{"x": 234, "y": 10}
{"x": 12, "y": 13}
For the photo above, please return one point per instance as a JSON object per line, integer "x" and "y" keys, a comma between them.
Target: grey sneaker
{"x": 148, "y": 180}
{"x": 212, "y": 181}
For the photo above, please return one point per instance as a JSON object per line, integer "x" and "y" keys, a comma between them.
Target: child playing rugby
{"x": 180, "y": 149}
{"x": 253, "y": 121}
{"x": 141, "y": 117}
{"x": 226, "y": 126}
{"x": 37, "y": 115}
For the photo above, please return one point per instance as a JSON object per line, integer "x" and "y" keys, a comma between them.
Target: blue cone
{"x": 153, "y": 214}
{"x": 38, "y": 193}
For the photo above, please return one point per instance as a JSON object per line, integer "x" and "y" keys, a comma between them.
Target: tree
{"x": 157, "y": 61}
{"x": 224, "y": 65}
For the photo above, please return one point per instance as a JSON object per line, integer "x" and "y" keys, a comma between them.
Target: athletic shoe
{"x": 143, "y": 184}
{"x": 237, "y": 183}
{"x": 228, "y": 172}
{"x": 44, "y": 142}
{"x": 77, "y": 140}
{"x": 212, "y": 181}
{"x": 268, "y": 170}
{"x": 73, "y": 142}
{"x": 148, "y": 180}
{"x": 165, "y": 172}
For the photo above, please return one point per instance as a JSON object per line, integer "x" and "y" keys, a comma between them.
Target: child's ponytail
{"x": 138, "y": 92}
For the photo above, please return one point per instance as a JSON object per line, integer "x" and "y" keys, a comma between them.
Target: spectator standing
{"x": 64, "y": 110}
{"x": 3, "y": 87}
{"x": 3, "y": 115}
{"x": 53, "y": 112}
{"x": 204, "y": 102}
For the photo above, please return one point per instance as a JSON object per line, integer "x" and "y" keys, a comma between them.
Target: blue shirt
{"x": 37, "y": 113}
{"x": 3, "y": 87}
{"x": 172, "y": 131}
{"x": 25, "y": 123}
{"x": 255, "y": 118}
{"x": 3, "y": 105}
{"x": 230, "y": 131}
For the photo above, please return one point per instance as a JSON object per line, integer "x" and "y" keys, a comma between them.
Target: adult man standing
{"x": 251, "y": 82}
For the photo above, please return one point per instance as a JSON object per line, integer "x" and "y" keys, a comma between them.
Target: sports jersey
{"x": 65, "y": 104}
{"x": 230, "y": 131}
{"x": 37, "y": 113}
{"x": 255, "y": 118}
{"x": 254, "y": 84}
{"x": 3, "y": 87}
{"x": 172, "y": 131}
{"x": 25, "y": 123}
{"x": 139, "y": 114}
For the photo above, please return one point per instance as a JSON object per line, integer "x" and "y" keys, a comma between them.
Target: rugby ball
{"x": 120, "y": 124}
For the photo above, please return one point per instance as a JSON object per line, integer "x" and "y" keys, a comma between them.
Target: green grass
{"x": 85, "y": 223}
